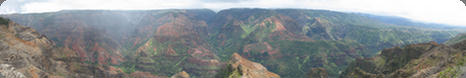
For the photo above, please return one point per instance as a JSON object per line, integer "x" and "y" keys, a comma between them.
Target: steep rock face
{"x": 178, "y": 43}
{"x": 83, "y": 33}
{"x": 427, "y": 60}
{"x": 160, "y": 41}
{"x": 27, "y": 54}
{"x": 23, "y": 51}
{"x": 239, "y": 67}
{"x": 289, "y": 42}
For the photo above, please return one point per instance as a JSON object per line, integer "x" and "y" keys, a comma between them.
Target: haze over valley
{"x": 227, "y": 43}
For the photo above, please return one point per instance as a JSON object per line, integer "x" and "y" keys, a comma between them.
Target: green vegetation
{"x": 309, "y": 39}
{"x": 229, "y": 72}
{"x": 4, "y": 21}
{"x": 336, "y": 40}
{"x": 127, "y": 67}
{"x": 306, "y": 55}
{"x": 458, "y": 38}
{"x": 455, "y": 70}
{"x": 450, "y": 72}
{"x": 247, "y": 30}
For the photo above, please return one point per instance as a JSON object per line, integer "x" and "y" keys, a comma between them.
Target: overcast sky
{"x": 438, "y": 11}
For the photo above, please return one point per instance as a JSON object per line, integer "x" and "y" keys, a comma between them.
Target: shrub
{"x": 4, "y": 21}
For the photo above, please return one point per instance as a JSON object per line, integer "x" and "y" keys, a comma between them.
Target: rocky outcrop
{"x": 182, "y": 74}
{"x": 299, "y": 38}
{"x": 427, "y": 60}
{"x": 239, "y": 67}
{"x": 159, "y": 41}
{"x": 26, "y": 53}
{"x": 6, "y": 71}
{"x": 289, "y": 42}
{"x": 23, "y": 51}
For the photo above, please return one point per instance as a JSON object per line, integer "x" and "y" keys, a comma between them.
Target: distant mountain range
{"x": 293, "y": 43}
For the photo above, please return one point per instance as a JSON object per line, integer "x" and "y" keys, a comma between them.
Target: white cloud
{"x": 56, "y": 5}
{"x": 438, "y": 11}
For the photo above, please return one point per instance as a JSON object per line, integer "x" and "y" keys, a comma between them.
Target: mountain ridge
{"x": 289, "y": 42}
{"x": 426, "y": 60}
